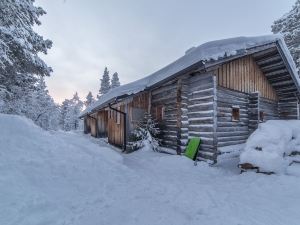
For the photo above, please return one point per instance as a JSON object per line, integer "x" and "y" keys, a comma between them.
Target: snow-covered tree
{"x": 36, "y": 104}
{"x": 289, "y": 26}
{"x": 115, "y": 82}
{"x": 146, "y": 134}
{"x": 45, "y": 112}
{"x": 89, "y": 99}
{"x": 20, "y": 64}
{"x": 70, "y": 111}
{"x": 105, "y": 83}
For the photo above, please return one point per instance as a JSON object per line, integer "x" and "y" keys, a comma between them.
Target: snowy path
{"x": 67, "y": 178}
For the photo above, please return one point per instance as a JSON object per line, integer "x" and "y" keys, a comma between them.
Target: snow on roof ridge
{"x": 212, "y": 50}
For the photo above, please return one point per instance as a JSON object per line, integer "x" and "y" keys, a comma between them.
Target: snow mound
{"x": 269, "y": 146}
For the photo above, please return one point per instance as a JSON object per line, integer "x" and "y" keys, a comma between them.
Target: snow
{"x": 204, "y": 53}
{"x": 269, "y": 146}
{"x": 230, "y": 151}
{"x": 68, "y": 178}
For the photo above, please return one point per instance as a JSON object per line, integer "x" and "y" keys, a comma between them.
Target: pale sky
{"x": 137, "y": 37}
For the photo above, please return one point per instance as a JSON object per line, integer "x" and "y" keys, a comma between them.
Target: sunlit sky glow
{"x": 136, "y": 38}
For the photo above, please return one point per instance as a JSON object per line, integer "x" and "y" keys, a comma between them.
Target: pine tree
{"x": 39, "y": 106}
{"x": 20, "y": 64}
{"x": 70, "y": 111}
{"x": 289, "y": 26}
{"x": 105, "y": 83}
{"x": 146, "y": 134}
{"x": 115, "y": 80}
{"x": 89, "y": 99}
{"x": 46, "y": 112}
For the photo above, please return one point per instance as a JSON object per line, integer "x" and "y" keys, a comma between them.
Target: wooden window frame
{"x": 160, "y": 112}
{"x": 235, "y": 113}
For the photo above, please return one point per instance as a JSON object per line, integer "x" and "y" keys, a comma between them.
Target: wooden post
{"x": 179, "y": 114}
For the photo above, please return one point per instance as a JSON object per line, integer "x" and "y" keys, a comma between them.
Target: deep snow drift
{"x": 271, "y": 144}
{"x": 70, "y": 179}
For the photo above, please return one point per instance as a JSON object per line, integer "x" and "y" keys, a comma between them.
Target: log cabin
{"x": 219, "y": 91}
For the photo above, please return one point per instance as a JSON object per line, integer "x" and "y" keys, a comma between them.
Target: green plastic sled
{"x": 192, "y": 148}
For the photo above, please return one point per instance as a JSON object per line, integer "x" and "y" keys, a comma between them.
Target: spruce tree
{"x": 115, "y": 82}
{"x": 89, "y": 99}
{"x": 105, "y": 83}
{"x": 70, "y": 111}
{"x": 289, "y": 26}
{"x": 20, "y": 64}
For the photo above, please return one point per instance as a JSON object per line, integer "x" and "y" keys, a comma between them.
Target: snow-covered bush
{"x": 146, "y": 134}
{"x": 269, "y": 146}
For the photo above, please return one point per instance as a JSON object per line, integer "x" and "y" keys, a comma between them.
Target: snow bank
{"x": 269, "y": 145}
{"x": 66, "y": 178}
{"x": 45, "y": 176}
{"x": 204, "y": 53}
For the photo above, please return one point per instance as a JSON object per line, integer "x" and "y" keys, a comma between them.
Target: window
{"x": 235, "y": 113}
{"x": 261, "y": 116}
{"x": 160, "y": 113}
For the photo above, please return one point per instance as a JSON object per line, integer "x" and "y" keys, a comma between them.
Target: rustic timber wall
{"x": 258, "y": 104}
{"x": 201, "y": 89}
{"x": 137, "y": 104}
{"x": 288, "y": 108}
{"x": 166, "y": 97}
{"x": 93, "y": 125}
{"x": 86, "y": 123}
{"x": 102, "y": 123}
{"x": 230, "y": 132}
{"x": 270, "y": 108}
{"x": 253, "y": 111}
{"x": 136, "y": 107}
{"x": 244, "y": 75}
{"x": 115, "y": 127}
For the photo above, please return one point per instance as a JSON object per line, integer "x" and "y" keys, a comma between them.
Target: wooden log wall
{"x": 115, "y": 127}
{"x": 244, "y": 75}
{"x": 93, "y": 125}
{"x": 288, "y": 108}
{"x": 116, "y": 120}
{"x": 184, "y": 122}
{"x": 138, "y": 102}
{"x": 230, "y": 132}
{"x": 253, "y": 111}
{"x": 102, "y": 123}
{"x": 166, "y": 97}
{"x": 201, "y": 112}
{"x": 269, "y": 108}
{"x": 87, "y": 127}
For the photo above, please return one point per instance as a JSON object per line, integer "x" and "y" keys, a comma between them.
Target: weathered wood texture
{"x": 288, "y": 108}
{"x": 253, "y": 111}
{"x": 93, "y": 124}
{"x": 259, "y": 106}
{"x": 86, "y": 125}
{"x": 201, "y": 112}
{"x": 229, "y": 131}
{"x": 135, "y": 108}
{"x": 165, "y": 98}
{"x": 269, "y": 109}
{"x": 102, "y": 123}
{"x": 244, "y": 75}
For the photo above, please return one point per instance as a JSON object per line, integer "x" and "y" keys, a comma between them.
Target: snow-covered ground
{"x": 68, "y": 178}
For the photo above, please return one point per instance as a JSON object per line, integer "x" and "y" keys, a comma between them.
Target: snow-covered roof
{"x": 204, "y": 53}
